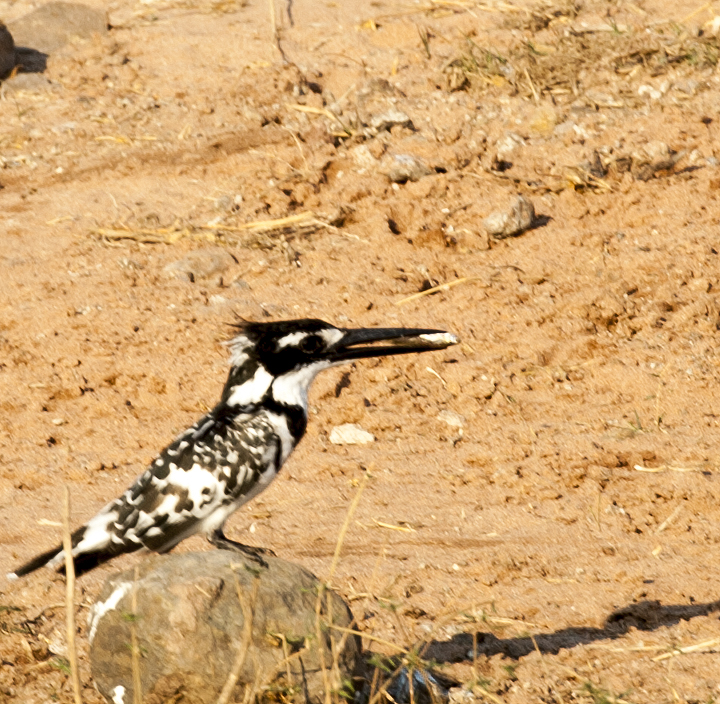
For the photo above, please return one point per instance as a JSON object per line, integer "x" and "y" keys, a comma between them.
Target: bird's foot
{"x": 219, "y": 540}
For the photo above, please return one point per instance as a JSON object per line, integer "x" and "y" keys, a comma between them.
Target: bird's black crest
{"x": 255, "y": 330}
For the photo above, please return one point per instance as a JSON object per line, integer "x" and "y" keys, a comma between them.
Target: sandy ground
{"x": 550, "y": 485}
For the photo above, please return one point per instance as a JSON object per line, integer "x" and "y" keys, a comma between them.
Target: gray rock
{"x": 54, "y": 24}
{"x": 200, "y": 264}
{"x": 187, "y": 614}
{"x": 7, "y": 51}
{"x": 401, "y": 168}
{"x": 378, "y": 107}
{"x": 519, "y": 218}
{"x": 386, "y": 120}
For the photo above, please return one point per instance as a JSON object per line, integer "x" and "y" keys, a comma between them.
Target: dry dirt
{"x": 550, "y": 485}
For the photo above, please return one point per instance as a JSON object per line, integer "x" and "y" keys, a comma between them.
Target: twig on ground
{"x": 709, "y": 646}
{"x": 70, "y": 598}
{"x": 557, "y": 695}
{"x": 489, "y": 695}
{"x": 375, "y": 639}
{"x": 302, "y": 223}
{"x": 346, "y": 525}
{"x": 317, "y": 111}
{"x": 670, "y": 518}
{"x": 134, "y": 646}
{"x": 664, "y": 467}
{"x": 324, "y": 587}
{"x": 248, "y": 616}
{"x": 435, "y": 289}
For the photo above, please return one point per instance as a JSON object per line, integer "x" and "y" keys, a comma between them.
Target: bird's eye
{"x": 310, "y": 344}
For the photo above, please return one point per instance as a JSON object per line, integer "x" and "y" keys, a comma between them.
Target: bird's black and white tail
{"x": 36, "y": 563}
{"x": 84, "y": 561}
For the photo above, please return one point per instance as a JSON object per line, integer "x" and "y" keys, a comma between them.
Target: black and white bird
{"x": 233, "y": 452}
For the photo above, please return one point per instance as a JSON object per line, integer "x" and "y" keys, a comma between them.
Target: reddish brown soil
{"x": 573, "y": 524}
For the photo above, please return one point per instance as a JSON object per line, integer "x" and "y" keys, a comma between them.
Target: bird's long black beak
{"x": 358, "y": 343}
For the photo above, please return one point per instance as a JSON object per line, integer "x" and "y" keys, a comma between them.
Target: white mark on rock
{"x": 102, "y": 607}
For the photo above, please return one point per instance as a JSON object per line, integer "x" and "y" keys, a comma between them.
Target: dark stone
{"x": 189, "y": 620}
{"x": 7, "y": 51}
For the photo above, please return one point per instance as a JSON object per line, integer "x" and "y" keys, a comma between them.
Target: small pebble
{"x": 402, "y": 168}
{"x": 387, "y": 120}
{"x": 350, "y": 434}
{"x": 453, "y": 419}
{"x": 201, "y": 264}
{"x": 511, "y": 223}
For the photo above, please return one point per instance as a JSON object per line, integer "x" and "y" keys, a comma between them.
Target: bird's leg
{"x": 218, "y": 539}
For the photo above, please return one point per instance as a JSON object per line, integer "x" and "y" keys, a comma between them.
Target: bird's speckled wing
{"x": 206, "y": 473}
{"x": 212, "y": 464}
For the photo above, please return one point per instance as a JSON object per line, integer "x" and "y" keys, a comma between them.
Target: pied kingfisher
{"x": 232, "y": 453}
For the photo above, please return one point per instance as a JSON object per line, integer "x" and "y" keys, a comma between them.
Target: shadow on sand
{"x": 643, "y": 616}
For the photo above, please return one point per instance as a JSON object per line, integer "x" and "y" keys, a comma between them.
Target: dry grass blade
{"x": 248, "y": 616}
{"x": 670, "y": 518}
{"x": 382, "y": 691}
{"x": 160, "y": 236}
{"x": 304, "y": 223}
{"x": 346, "y": 525}
{"x": 134, "y": 645}
{"x": 375, "y": 639}
{"x": 492, "y": 697}
{"x": 284, "y": 664}
{"x": 696, "y": 12}
{"x": 328, "y": 686}
{"x": 436, "y": 289}
{"x": 579, "y": 177}
{"x": 320, "y": 644}
{"x": 273, "y": 23}
{"x": 316, "y": 111}
{"x": 545, "y": 668}
{"x": 70, "y": 598}
{"x": 404, "y": 529}
{"x": 287, "y": 655}
{"x": 665, "y": 467}
{"x": 304, "y": 218}
{"x": 709, "y": 646}
{"x": 251, "y": 691}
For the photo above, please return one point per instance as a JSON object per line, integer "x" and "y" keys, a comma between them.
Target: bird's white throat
{"x": 253, "y": 390}
{"x": 291, "y": 389}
